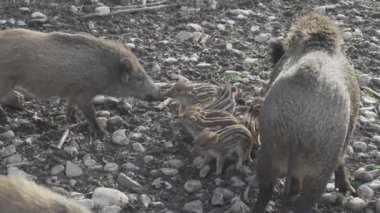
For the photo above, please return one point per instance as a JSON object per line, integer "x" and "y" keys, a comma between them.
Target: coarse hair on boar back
{"x": 308, "y": 115}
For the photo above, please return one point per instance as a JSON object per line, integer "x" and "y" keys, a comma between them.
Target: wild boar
{"x": 73, "y": 66}
{"x": 308, "y": 114}
{"x": 19, "y": 195}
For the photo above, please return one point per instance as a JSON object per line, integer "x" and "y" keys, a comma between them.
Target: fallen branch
{"x": 138, "y": 6}
{"x": 72, "y": 126}
{"x": 128, "y": 11}
{"x": 63, "y": 139}
{"x": 375, "y": 93}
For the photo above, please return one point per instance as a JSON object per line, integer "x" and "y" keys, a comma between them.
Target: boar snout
{"x": 157, "y": 95}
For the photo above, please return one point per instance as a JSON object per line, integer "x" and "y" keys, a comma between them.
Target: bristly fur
{"x": 314, "y": 31}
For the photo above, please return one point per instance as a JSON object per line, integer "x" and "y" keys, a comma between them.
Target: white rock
{"x": 170, "y": 60}
{"x": 169, "y": 171}
{"x": 195, "y": 27}
{"x": 241, "y": 12}
{"x": 38, "y": 15}
{"x": 262, "y": 37}
{"x": 184, "y": 35}
{"x": 8, "y": 135}
{"x": 73, "y": 170}
{"x": 375, "y": 185}
{"x": 330, "y": 198}
{"x": 195, "y": 206}
{"x": 217, "y": 197}
{"x": 128, "y": 182}
{"x": 204, "y": 171}
{"x": 248, "y": 62}
{"x": 109, "y": 197}
{"x": 346, "y": 36}
{"x": 239, "y": 206}
{"x": 193, "y": 186}
{"x": 87, "y": 203}
{"x": 74, "y": 9}
{"x": 8, "y": 150}
{"x": 359, "y": 146}
{"x": 145, "y": 200}
{"x": 2, "y": 21}
{"x": 138, "y": 147}
{"x": 148, "y": 158}
{"x": 14, "y": 171}
{"x": 119, "y": 137}
{"x": 111, "y": 167}
{"x": 221, "y": 27}
{"x": 341, "y": 17}
{"x": 356, "y": 204}
{"x": 236, "y": 182}
{"x": 103, "y": 10}
{"x": 175, "y": 163}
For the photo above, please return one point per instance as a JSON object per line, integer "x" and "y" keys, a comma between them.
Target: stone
{"x": 363, "y": 176}
{"x": 138, "y": 147}
{"x": 364, "y": 79}
{"x": 262, "y": 37}
{"x": 145, "y": 200}
{"x": 119, "y": 137}
{"x": 110, "y": 209}
{"x": 255, "y": 28}
{"x": 74, "y": 9}
{"x": 341, "y": 17}
{"x": 8, "y": 135}
{"x": 169, "y": 171}
{"x": 195, "y": 27}
{"x": 170, "y": 60}
{"x": 175, "y": 163}
{"x": 375, "y": 185}
{"x": 359, "y": 146}
{"x": 111, "y": 167}
{"x": 58, "y": 169}
{"x": 71, "y": 150}
{"x": 221, "y": 27}
{"x": 330, "y": 198}
{"x": 16, "y": 158}
{"x": 217, "y": 197}
{"x": 104, "y": 10}
{"x": 8, "y": 150}
{"x": 38, "y": 15}
{"x": 14, "y": 171}
{"x": 195, "y": 206}
{"x": 236, "y": 182}
{"x": 355, "y": 204}
{"x": 115, "y": 121}
{"x": 249, "y": 62}
{"x": 73, "y": 170}
{"x": 241, "y": 12}
{"x": 128, "y": 182}
{"x": 109, "y": 197}
{"x": 184, "y": 35}
{"x": 239, "y": 206}
{"x": 148, "y": 159}
{"x": 365, "y": 192}
{"x": 87, "y": 203}
{"x": 192, "y": 186}
{"x": 204, "y": 171}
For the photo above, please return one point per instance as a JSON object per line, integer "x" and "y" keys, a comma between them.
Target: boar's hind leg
{"x": 341, "y": 180}
{"x": 5, "y": 88}
{"x": 312, "y": 188}
{"x": 88, "y": 111}
{"x": 71, "y": 113}
{"x": 267, "y": 175}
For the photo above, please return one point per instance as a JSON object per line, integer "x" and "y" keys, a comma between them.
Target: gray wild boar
{"x": 19, "y": 195}
{"x": 73, "y": 66}
{"x": 308, "y": 115}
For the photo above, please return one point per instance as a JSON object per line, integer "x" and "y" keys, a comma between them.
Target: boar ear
{"x": 214, "y": 137}
{"x": 278, "y": 49}
{"x": 126, "y": 68}
{"x": 193, "y": 118}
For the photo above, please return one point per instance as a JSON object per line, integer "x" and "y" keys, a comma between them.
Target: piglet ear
{"x": 278, "y": 49}
{"x": 214, "y": 137}
{"x": 125, "y": 69}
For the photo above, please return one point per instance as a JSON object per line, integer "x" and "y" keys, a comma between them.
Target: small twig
{"x": 72, "y": 126}
{"x": 137, "y": 6}
{"x": 163, "y": 104}
{"x": 63, "y": 139}
{"x": 128, "y": 11}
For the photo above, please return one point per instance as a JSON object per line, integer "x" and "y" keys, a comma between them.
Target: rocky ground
{"x": 148, "y": 161}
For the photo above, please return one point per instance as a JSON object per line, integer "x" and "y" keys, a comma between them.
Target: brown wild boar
{"x": 308, "y": 114}
{"x": 73, "y": 66}
{"x": 19, "y": 195}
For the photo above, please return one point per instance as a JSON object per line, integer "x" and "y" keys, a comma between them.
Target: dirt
{"x": 153, "y": 34}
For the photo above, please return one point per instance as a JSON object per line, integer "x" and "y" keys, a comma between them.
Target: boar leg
{"x": 88, "y": 111}
{"x": 312, "y": 189}
{"x": 266, "y": 175}
{"x": 71, "y": 113}
{"x": 341, "y": 180}
{"x": 219, "y": 164}
{"x": 5, "y": 88}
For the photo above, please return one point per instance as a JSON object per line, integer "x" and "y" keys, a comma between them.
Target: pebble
{"x": 248, "y": 62}
{"x": 148, "y": 158}
{"x": 341, "y": 17}
{"x": 365, "y": 192}
{"x": 193, "y": 186}
{"x": 119, "y": 137}
{"x": 138, "y": 147}
{"x": 359, "y": 146}
{"x": 184, "y": 35}
{"x": 99, "y": 99}
{"x": 195, "y": 206}
{"x": 255, "y": 28}
{"x": 355, "y": 204}
{"x": 38, "y": 15}
{"x": 8, "y": 150}
{"x": 109, "y": 197}
{"x": 145, "y": 200}
{"x": 204, "y": 171}
{"x": 363, "y": 176}
{"x": 111, "y": 167}
{"x": 71, "y": 150}
{"x": 58, "y": 169}
{"x": 330, "y": 198}
{"x": 2, "y": 21}
{"x": 241, "y": 12}
{"x": 128, "y": 182}
{"x": 169, "y": 144}
{"x": 262, "y": 37}
{"x": 236, "y": 182}
{"x": 170, "y": 60}
{"x": 346, "y": 36}
{"x": 8, "y": 135}
{"x": 16, "y": 158}
{"x": 74, "y": 9}
{"x": 239, "y": 206}
{"x": 104, "y": 10}
{"x": 115, "y": 121}
{"x": 89, "y": 162}
{"x": 374, "y": 127}
{"x": 110, "y": 209}
{"x": 217, "y": 197}
{"x": 102, "y": 122}
{"x": 21, "y": 23}
{"x": 320, "y": 10}
{"x": 375, "y": 185}
{"x": 203, "y": 64}
{"x": 195, "y": 27}
{"x": 169, "y": 171}
{"x": 364, "y": 79}
{"x": 221, "y": 27}
{"x": 130, "y": 166}
{"x": 175, "y": 163}
{"x": 136, "y": 135}
{"x": 73, "y": 170}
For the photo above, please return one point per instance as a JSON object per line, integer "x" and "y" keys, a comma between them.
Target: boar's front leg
{"x": 88, "y": 110}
